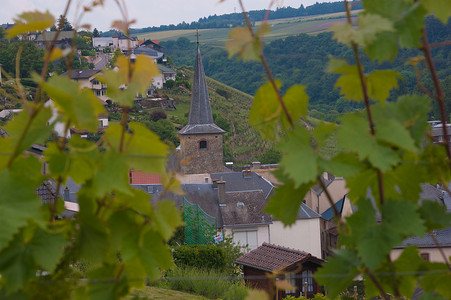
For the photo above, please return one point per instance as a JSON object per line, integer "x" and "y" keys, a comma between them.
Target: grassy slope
{"x": 242, "y": 140}
{"x": 280, "y": 28}
{"x": 155, "y": 293}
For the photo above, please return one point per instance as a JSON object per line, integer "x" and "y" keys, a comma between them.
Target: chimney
{"x": 66, "y": 194}
{"x": 215, "y": 183}
{"x": 246, "y": 173}
{"x": 206, "y": 179}
{"x": 221, "y": 192}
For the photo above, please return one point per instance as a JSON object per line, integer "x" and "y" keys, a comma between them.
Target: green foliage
{"x": 118, "y": 231}
{"x": 200, "y": 256}
{"x": 384, "y": 152}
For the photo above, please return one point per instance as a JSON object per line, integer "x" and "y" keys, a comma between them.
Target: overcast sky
{"x": 145, "y": 12}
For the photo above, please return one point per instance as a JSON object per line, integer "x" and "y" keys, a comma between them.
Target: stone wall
{"x": 196, "y": 160}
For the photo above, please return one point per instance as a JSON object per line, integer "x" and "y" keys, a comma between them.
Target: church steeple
{"x": 201, "y": 139}
{"x": 200, "y": 118}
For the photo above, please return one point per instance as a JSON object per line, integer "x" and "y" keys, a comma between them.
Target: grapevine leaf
{"x": 84, "y": 158}
{"x": 349, "y": 82}
{"x": 80, "y": 106}
{"x": 394, "y": 133}
{"x": 37, "y": 132}
{"x": 112, "y": 175}
{"x": 16, "y": 264}
{"x": 299, "y": 161}
{"x": 47, "y": 248}
{"x": 380, "y": 82}
{"x": 322, "y": 132}
{"x": 438, "y": 280}
{"x": 58, "y": 162}
{"x": 121, "y": 225}
{"x": 400, "y": 218}
{"x": 285, "y": 203}
{"x": 369, "y": 26}
{"x": 440, "y": 8}
{"x": 244, "y": 44}
{"x": 404, "y": 182}
{"x": 103, "y": 288}
{"x": 339, "y": 272}
{"x": 409, "y": 27}
{"x": 145, "y": 150}
{"x": 343, "y": 164}
{"x": 167, "y": 218}
{"x": 434, "y": 215}
{"x": 408, "y": 262}
{"x": 92, "y": 236}
{"x": 18, "y": 201}
{"x": 31, "y": 21}
{"x": 344, "y": 33}
{"x": 143, "y": 73}
{"x": 360, "y": 183}
{"x": 385, "y": 48}
{"x": 296, "y": 102}
{"x": 265, "y": 110}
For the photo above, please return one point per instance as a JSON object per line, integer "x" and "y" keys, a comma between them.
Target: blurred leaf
{"x": 440, "y": 8}
{"x": 19, "y": 201}
{"x": 380, "y": 82}
{"x": 434, "y": 215}
{"x": 339, "y": 272}
{"x": 31, "y": 21}
{"x": 296, "y": 102}
{"x": 167, "y": 219}
{"x": 243, "y": 43}
{"x": 286, "y": 202}
{"x": 299, "y": 161}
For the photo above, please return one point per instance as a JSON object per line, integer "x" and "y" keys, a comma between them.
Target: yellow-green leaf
{"x": 31, "y": 21}
{"x": 440, "y": 8}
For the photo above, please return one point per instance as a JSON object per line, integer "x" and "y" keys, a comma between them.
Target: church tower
{"x": 201, "y": 139}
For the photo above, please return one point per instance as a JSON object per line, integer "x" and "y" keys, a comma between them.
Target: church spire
{"x": 200, "y": 118}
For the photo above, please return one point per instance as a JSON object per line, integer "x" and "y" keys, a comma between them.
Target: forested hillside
{"x": 303, "y": 59}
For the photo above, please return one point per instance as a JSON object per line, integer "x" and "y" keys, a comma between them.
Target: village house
{"x": 269, "y": 263}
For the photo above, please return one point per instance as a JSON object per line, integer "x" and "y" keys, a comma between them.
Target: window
{"x": 291, "y": 278}
{"x": 425, "y": 256}
{"x": 246, "y": 238}
{"x": 203, "y": 145}
{"x": 307, "y": 278}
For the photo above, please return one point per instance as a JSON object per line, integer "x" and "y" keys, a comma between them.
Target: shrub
{"x": 157, "y": 115}
{"x": 201, "y": 256}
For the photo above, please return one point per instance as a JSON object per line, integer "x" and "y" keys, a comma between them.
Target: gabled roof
{"x": 329, "y": 213}
{"x": 148, "y": 51}
{"x": 139, "y": 177}
{"x": 239, "y": 181}
{"x": 200, "y": 120}
{"x": 269, "y": 257}
{"x": 81, "y": 74}
{"x": 244, "y": 208}
{"x": 305, "y": 212}
{"x": 443, "y": 237}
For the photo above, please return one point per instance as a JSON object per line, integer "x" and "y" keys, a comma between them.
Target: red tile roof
{"x": 271, "y": 257}
{"x": 139, "y": 177}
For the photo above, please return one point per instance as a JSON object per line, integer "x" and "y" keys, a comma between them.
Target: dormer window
{"x": 203, "y": 145}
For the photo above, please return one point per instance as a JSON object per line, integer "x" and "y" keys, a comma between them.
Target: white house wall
{"x": 304, "y": 235}
{"x": 434, "y": 253}
{"x": 262, "y": 233}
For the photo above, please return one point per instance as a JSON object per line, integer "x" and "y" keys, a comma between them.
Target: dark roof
{"x": 269, "y": 257}
{"x": 201, "y": 194}
{"x": 305, "y": 212}
{"x": 81, "y": 74}
{"x": 244, "y": 208}
{"x": 200, "y": 120}
{"x": 6, "y": 26}
{"x": 242, "y": 181}
{"x": 165, "y": 69}
{"x": 329, "y": 213}
{"x": 48, "y": 36}
{"x": 148, "y": 51}
{"x": 443, "y": 237}
{"x": 46, "y": 191}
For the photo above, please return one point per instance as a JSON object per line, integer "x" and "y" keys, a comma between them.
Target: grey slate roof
{"x": 148, "y": 51}
{"x": 244, "y": 208}
{"x": 200, "y": 120}
{"x": 236, "y": 182}
{"x": 443, "y": 237}
{"x": 305, "y": 212}
{"x": 201, "y": 194}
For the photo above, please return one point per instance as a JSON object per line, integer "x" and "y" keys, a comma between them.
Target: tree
{"x": 95, "y": 33}
{"x": 384, "y": 151}
{"x": 157, "y": 115}
{"x": 64, "y": 24}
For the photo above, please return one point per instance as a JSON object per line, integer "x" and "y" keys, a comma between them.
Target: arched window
{"x": 203, "y": 145}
